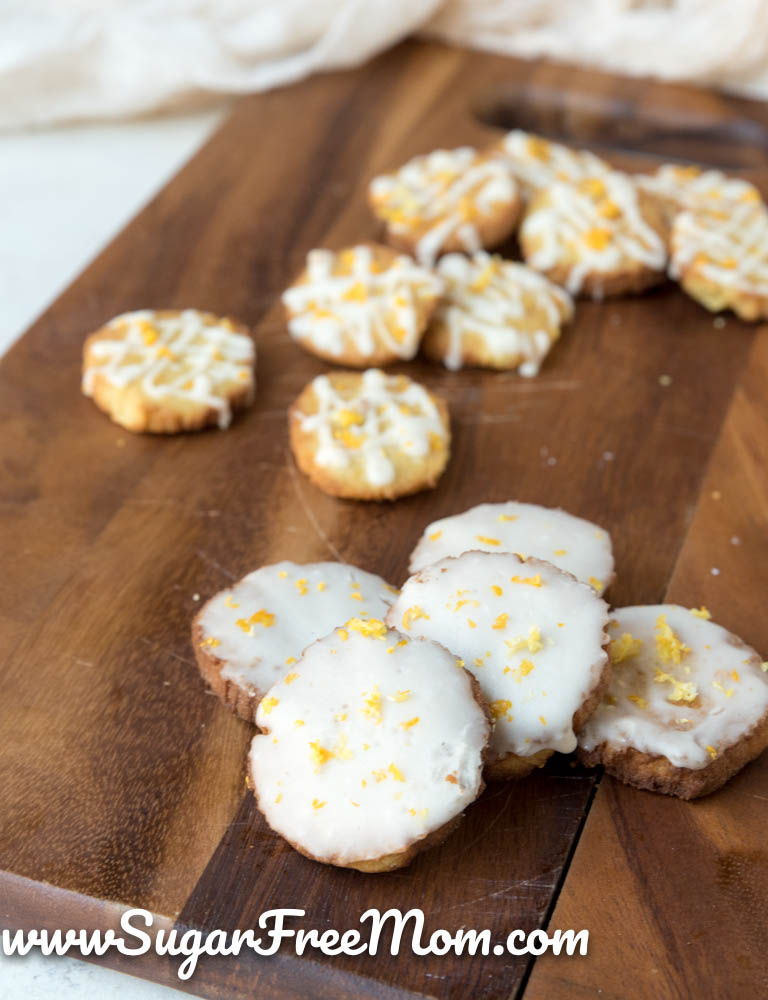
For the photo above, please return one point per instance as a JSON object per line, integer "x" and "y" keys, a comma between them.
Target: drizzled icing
{"x": 728, "y": 248}
{"x": 571, "y": 543}
{"x": 531, "y": 634}
{"x": 370, "y": 421}
{"x": 442, "y": 200}
{"x": 260, "y": 626}
{"x": 376, "y": 742}
{"x": 189, "y": 355}
{"x": 537, "y": 163}
{"x": 365, "y": 297}
{"x": 593, "y": 227}
{"x": 689, "y": 187}
{"x": 514, "y": 311}
{"x": 718, "y": 684}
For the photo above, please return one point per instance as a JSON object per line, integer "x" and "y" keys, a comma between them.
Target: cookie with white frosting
{"x": 169, "y": 370}
{"x": 366, "y": 305}
{"x": 537, "y": 162}
{"x": 571, "y": 543}
{"x": 721, "y": 258}
{"x": 369, "y": 436}
{"x": 370, "y": 750}
{"x": 681, "y": 188}
{"x": 687, "y": 705}
{"x": 448, "y": 201}
{"x": 495, "y": 314}
{"x": 598, "y": 237}
{"x": 249, "y": 636}
{"x": 533, "y": 637}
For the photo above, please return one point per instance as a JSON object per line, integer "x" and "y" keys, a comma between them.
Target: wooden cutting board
{"x": 122, "y": 781}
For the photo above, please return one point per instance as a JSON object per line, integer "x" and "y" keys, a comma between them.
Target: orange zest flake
{"x": 343, "y": 634}
{"x": 507, "y": 517}
{"x": 282, "y": 574}
{"x": 301, "y": 586}
{"x": 559, "y": 552}
{"x": 526, "y": 666}
{"x": 671, "y": 648}
{"x": 701, "y": 612}
{"x": 637, "y": 700}
{"x": 211, "y": 642}
{"x": 373, "y": 629}
{"x": 735, "y": 676}
{"x": 681, "y": 690}
{"x": 278, "y": 797}
{"x": 268, "y": 704}
{"x": 434, "y": 536}
{"x": 355, "y": 804}
{"x": 436, "y": 441}
{"x": 452, "y": 779}
{"x": 148, "y": 332}
{"x": 290, "y": 678}
{"x": 595, "y": 584}
{"x": 624, "y": 648}
{"x": 372, "y": 705}
{"x": 356, "y": 595}
{"x": 230, "y": 602}
{"x": 317, "y": 804}
{"x": 532, "y": 581}
{"x": 501, "y": 621}
{"x": 500, "y": 707}
{"x": 597, "y": 238}
{"x": 321, "y": 585}
{"x": 542, "y": 720}
{"x": 347, "y": 417}
{"x": 298, "y": 723}
{"x": 396, "y": 773}
{"x": 496, "y": 589}
{"x": 402, "y": 695}
{"x": 608, "y": 209}
{"x": 593, "y": 186}
{"x": 537, "y": 148}
{"x": 711, "y": 751}
{"x": 485, "y": 540}
{"x": 261, "y": 617}
{"x": 165, "y": 352}
{"x": 290, "y": 660}
{"x": 348, "y": 439}
{"x": 411, "y": 722}
{"x": 319, "y": 754}
{"x": 340, "y": 716}
{"x": 410, "y": 615}
{"x": 471, "y": 623}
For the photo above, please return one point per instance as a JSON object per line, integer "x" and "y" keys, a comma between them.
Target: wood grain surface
{"x": 122, "y": 781}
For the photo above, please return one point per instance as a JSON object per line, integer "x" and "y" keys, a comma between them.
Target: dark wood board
{"x": 122, "y": 782}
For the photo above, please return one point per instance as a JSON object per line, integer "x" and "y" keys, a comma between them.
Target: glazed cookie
{"x": 169, "y": 371}
{"x": 537, "y": 163}
{"x": 533, "y": 637}
{"x": 366, "y": 305}
{"x": 687, "y": 705}
{"x": 570, "y": 543}
{"x": 249, "y": 636}
{"x": 495, "y": 314}
{"x": 598, "y": 237}
{"x": 721, "y": 259}
{"x": 450, "y": 200}
{"x": 680, "y": 188}
{"x": 372, "y": 748}
{"x": 369, "y": 436}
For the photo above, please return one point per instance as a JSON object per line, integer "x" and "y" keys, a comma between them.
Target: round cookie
{"x": 366, "y": 305}
{"x": 169, "y": 370}
{"x": 537, "y": 163}
{"x": 533, "y": 637}
{"x": 598, "y": 237}
{"x": 249, "y": 636}
{"x": 495, "y": 314}
{"x": 449, "y": 200}
{"x": 721, "y": 258}
{"x": 680, "y": 188}
{"x": 369, "y": 436}
{"x": 571, "y": 543}
{"x": 371, "y": 750}
{"x": 687, "y": 705}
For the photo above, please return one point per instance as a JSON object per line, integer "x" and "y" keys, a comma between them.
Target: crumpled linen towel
{"x": 68, "y": 60}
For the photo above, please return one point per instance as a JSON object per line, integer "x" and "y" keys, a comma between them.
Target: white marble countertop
{"x": 63, "y": 194}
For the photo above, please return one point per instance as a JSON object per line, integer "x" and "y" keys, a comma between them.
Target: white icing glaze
{"x": 189, "y": 356}
{"x": 389, "y": 414}
{"x": 730, "y": 689}
{"x": 592, "y": 234}
{"x": 691, "y": 188}
{"x": 531, "y": 634}
{"x": 727, "y": 248}
{"x": 492, "y": 299}
{"x": 368, "y": 307}
{"x": 571, "y": 543}
{"x": 443, "y": 192}
{"x": 537, "y": 162}
{"x": 388, "y": 747}
{"x": 293, "y": 605}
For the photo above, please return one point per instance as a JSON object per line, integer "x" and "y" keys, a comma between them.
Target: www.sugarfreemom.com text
{"x": 274, "y": 934}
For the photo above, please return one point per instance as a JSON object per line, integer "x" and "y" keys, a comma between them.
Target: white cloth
{"x": 64, "y": 60}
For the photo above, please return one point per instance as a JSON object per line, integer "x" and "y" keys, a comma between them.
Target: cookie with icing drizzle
{"x": 597, "y": 237}
{"x": 720, "y": 258}
{"x": 571, "y": 543}
{"x": 687, "y": 705}
{"x": 369, "y": 436}
{"x": 372, "y": 750}
{"x": 680, "y": 188}
{"x": 448, "y": 201}
{"x": 537, "y": 162}
{"x": 533, "y": 637}
{"x": 251, "y": 635}
{"x": 166, "y": 370}
{"x": 366, "y": 305}
{"x": 495, "y": 314}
